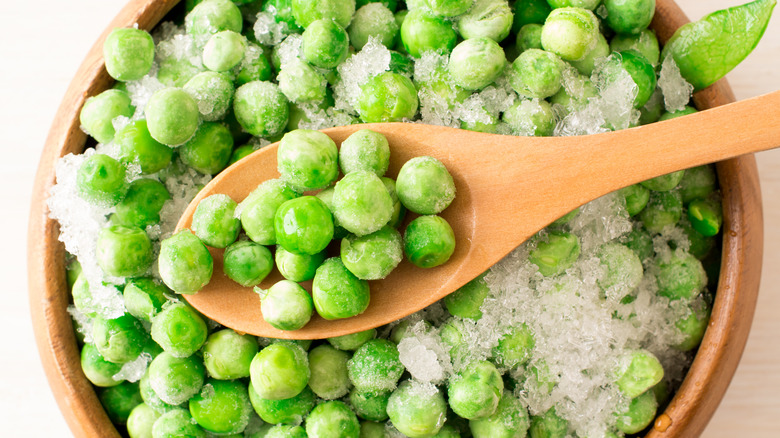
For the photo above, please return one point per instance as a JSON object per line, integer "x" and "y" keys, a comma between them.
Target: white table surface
{"x": 41, "y": 45}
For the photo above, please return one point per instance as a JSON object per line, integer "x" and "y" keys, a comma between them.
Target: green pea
{"x": 282, "y": 13}
{"x": 681, "y": 277}
{"x": 425, "y": 186}
{"x": 475, "y": 392}
{"x": 307, "y": 159}
{"x": 641, "y": 412}
{"x": 286, "y": 305}
{"x": 530, "y": 118}
{"x": 352, "y": 341}
{"x": 399, "y": 211}
{"x": 529, "y": 37}
{"x": 467, "y": 300}
{"x": 304, "y": 225}
{"x": 422, "y": 32}
{"x": 309, "y": 11}
{"x": 651, "y": 112}
{"x": 536, "y": 74}
{"x": 373, "y": 20}
{"x": 141, "y": 420}
{"x": 119, "y": 400}
{"x": 185, "y": 263}
{"x": 510, "y": 420}
{"x": 645, "y": 42}
{"x": 697, "y": 182}
{"x": 664, "y": 183}
{"x": 390, "y": 4}
{"x": 375, "y": 366}
{"x": 100, "y": 180}
{"x": 179, "y": 330}
{"x": 280, "y": 371}
{"x": 693, "y": 326}
{"x": 247, "y": 263}
{"x": 240, "y": 153}
{"x": 372, "y": 256}
{"x": 177, "y": 423}
{"x": 337, "y": 293}
{"x": 97, "y": 369}
{"x": 258, "y": 210}
{"x": 622, "y": 270}
{"x": 261, "y": 108}
{"x": 486, "y": 19}
{"x": 365, "y": 150}
{"x": 370, "y": 405}
{"x": 98, "y": 113}
{"x": 663, "y": 209}
{"x": 144, "y": 297}
{"x": 209, "y": 150}
{"x": 640, "y": 70}
{"x": 290, "y": 410}
{"x": 224, "y": 50}
{"x": 142, "y": 204}
{"x": 254, "y": 67}
{"x": 325, "y": 44}
{"x": 417, "y": 409}
{"x": 475, "y": 63}
{"x": 706, "y": 216}
{"x": 387, "y": 97}
{"x": 124, "y": 251}
{"x": 361, "y": 203}
{"x": 570, "y": 33}
{"x": 586, "y": 4}
{"x": 297, "y": 267}
{"x": 329, "y": 378}
{"x": 330, "y": 419}
{"x": 214, "y": 221}
{"x": 128, "y": 53}
{"x": 301, "y": 83}
{"x": 638, "y": 371}
{"x": 575, "y": 94}
{"x": 174, "y": 380}
{"x": 227, "y": 354}
{"x": 286, "y": 431}
{"x": 172, "y": 116}
{"x": 514, "y": 348}
{"x": 530, "y": 11}
{"x": 213, "y": 93}
{"x": 221, "y": 406}
{"x": 629, "y": 17}
{"x": 640, "y": 241}
{"x": 175, "y": 72}
{"x": 636, "y": 197}
{"x": 212, "y": 16}
{"x": 548, "y": 425}
{"x": 556, "y": 253}
{"x": 600, "y": 50}
{"x": 371, "y": 429}
{"x": 488, "y": 123}
{"x": 674, "y": 114}
{"x": 150, "y": 397}
{"x": 429, "y": 241}
{"x": 449, "y": 8}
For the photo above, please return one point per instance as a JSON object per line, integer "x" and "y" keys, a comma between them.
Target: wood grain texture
{"x": 689, "y": 411}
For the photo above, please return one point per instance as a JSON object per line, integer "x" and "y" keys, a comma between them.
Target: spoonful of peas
{"x": 508, "y": 188}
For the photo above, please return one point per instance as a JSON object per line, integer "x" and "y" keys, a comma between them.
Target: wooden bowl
{"x": 686, "y": 416}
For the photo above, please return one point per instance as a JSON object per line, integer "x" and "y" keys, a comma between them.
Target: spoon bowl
{"x": 503, "y": 198}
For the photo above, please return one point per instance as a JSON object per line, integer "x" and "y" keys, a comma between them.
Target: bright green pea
{"x": 694, "y": 325}
{"x": 586, "y": 4}
{"x": 208, "y": 151}
{"x": 645, "y": 42}
{"x": 128, "y": 53}
{"x": 213, "y": 93}
{"x": 119, "y": 400}
{"x": 641, "y": 412}
{"x": 697, "y": 182}
{"x": 399, "y": 211}
{"x": 172, "y": 116}
{"x": 290, "y": 410}
{"x": 509, "y": 421}
{"x": 308, "y": 11}
{"x": 361, "y": 203}
{"x": 150, "y": 397}
{"x": 570, "y": 33}
{"x": 365, "y": 150}
{"x": 373, "y": 20}
{"x": 214, "y": 221}
{"x": 221, "y": 406}
{"x": 297, "y": 267}
{"x": 529, "y": 37}
{"x": 449, "y": 8}
{"x": 587, "y": 65}
{"x": 325, "y": 44}
{"x": 556, "y": 253}
{"x": 375, "y": 366}
{"x": 185, "y": 263}
{"x": 137, "y": 146}
{"x": 280, "y": 371}
{"x": 227, "y": 354}
{"x": 304, "y": 225}
{"x": 486, "y": 19}
{"x": 254, "y": 67}
{"x": 286, "y": 305}
{"x": 285, "y": 431}
{"x": 98, "y": 113}
{"x": 282, "y": 12}
{"x": 425, "y": 186}
{"x": 247, "y": 263}
{"x": 674, "y": 114}
{"x": 422, "y": 32}
{"x": 467, "y": 300}
{"x": 175, "y": 72}
{"x": 261, "y": 108}
{"x": 329, "y": 378}
{"x": 144, "y": 297}
{"x": 663, "y": 209}
{"x": 536, "y": 74}
{"x": 224, "y": 50}
{"x": 638, "y": 371}
{"x": 301, "y": 83}
{"x": 623, "y": 270}
{"x": 331, "y": 419}
{"x": 681, "y": 277}
{"x": 240, "y": 153}
{"x": 141, "y": 420}
{"x": 98, "y": 370}
{"x": 100, "y": 180}
{"x": 475, "y": 63}
{"x": 212, "y": 16}
{"x": 548, "y": 425}
{"x": 515, "y": 347}
{"x": 640, "y": 70}
{"x": 370, "y": 405}
{"x": 177, "y": 423}
{"x": 706, "y": 216}
{"x": 389, "y": 4}
{"x": 179, "y": 330}
{"x": 352, "y": 341}
{"x": 124, "y": 251}
{"x": 531, "y": 118}
{"x": 429, "y": 241}
{"x": 259, "y": 209}
{"x": 636, "y": 197}
{"x": 530, "y": 11}
{"x": 175, "y": 380}
{"x": 475, "y": 392}
{"x": 372, "y": 256}
{"x": 664, "y": 183}
{"x": 417, "y": 409}
{"x": 337, "y": 293}
{"x": 387, "y": 97}
{"x": 629, "y": 17}
{"x": 307, "y": 159}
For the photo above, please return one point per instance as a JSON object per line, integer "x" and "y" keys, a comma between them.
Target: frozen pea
{"x": 185, "y": 263}
{"x": 213, "y": 93}
{"x": 286, "y": 431}
{"x": 639, "y": 415}
{"x": 556, "y": 253}
{"x": 600, "y": 50}
{"x": 254, "y": 67}
{"x": 261, "y": 108}
{"x": 97, "y": 369}
{"x": 98, "y": 113}
{"x": 629, "y": 16}
{"x": 331, "y": 419}
{"x": 175, "y": 72}
{"x": 515, "y": 347}
{"x": 329, "y": 378}
{"x": 682, "y": 276}
{"x": 536, "y": 74}
{"x": 636, "y": 197}
{"x": 325, "y": 44}
{"x": 548, "y": 425}
{"x": 240, "y": 153}
{"x": 365, "y": 150}
{"x": 141, "y": 420}
{"x": 308, "y": 11}
{"x": 172, "y": 116}
{"x": 212, "y": 16}
{"x": 637, "y": 372}
{"x": 640, "y": 241}
{"x": 645, "y": 42}
{"x": 301, "y": 83}
{"x": 674, "y": 114}
{"x": 286, "y": 305}
{"x": 475, "y": 63}
{"x": 486, "y": 19}
{"x": 100, "y": 180}
{"x": 651, "y": 112}
{"x": 124, "y": 251}
{"x": 214, "y": 221}
{"x": 529, "y": 37}
{"x": 576, "y": 94}
{"x": 290, "y": 410}
{"x": 375, "y": 366}
{"x": 297, "y": 267}
{"x": 142, "y": 204}
{"x": 693, "y": 326}
{"x": 639, "y": 68}
{"x": 373, "y": 20}
{"x": 664, "y": 183}
{"x": 530, "y": 11}
{"x": 487, "y": 122}
{"x": 137, "y": 146}
{"x": 510, "y": 420}
{"x": 304, "y": 225}
{"x": 280, "y": 371}
{"x": 337, "y": 293}
{"x": 370, "y": 405}
{"x": 352, "y": 341}
{"x": 530, "y": 118}
{"x": 128, "y": 53}
{"x": 449, "y": 8}
{"x": 622, "y": 270}
{"x": 222, "y": 406}
{"x": 417, "y": 409}
{"x": 373, "y": 256}
{"x": 697, "y": 182}
{"x": 371, "y": 429}
{"x": 179, "y": 330}
{"x": 247, "y": 263}
{"x": 307, "y": 159}
{"x": 144, "y": 297}
{"x": 467, "y": 300}
{"x": 425, "y": 186}
{"x": 399, "y": 211}
{"x": 663, "y": 209}
{"x": 227, "y": 354}
{"x": 475, "y": 392}
{"x": 150, "y": 397}
{"x": 174, "y": 380}
{"x": 586, "y": 4}
{"x": 361, "y": 203}
{"x": 177, "y": 423}
{"x": 387, "y": 97}
{"x": 429, "y": 241}
{"x": 258, "y": 210}
{"x": 208, "y": 150}
{"x": 570, "y": 32}
{"x": 706, "y": 216}
{"x": 224, "y": 50}
{"x": 422, "y": 32}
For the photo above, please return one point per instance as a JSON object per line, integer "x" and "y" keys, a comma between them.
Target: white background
{"x": 41, "y": 45}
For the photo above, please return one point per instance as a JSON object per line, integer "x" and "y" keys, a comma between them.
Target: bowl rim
{"x": 686, "y": 415}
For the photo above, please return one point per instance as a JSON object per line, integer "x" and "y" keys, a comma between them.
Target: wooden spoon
{"x": 508, "y": 188}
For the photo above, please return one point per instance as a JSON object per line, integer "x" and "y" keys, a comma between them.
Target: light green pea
{"x": 475, "y": 63}
{"x": 373, "y": 20}
{"x": 325, "y": 44}
{"x": 213, "y": 92}
{"x": 531, "y": 118}
{"x": 261, "y": 108}
{"x": 417, "y": 409}
{"x": 280, "y": 371}
{"x": 375, "y": 366}
{"x": 387, "y": 97}
{"x": 510, "y": 420}
{"x": 331, "y": 419}
{"x": 329, "y": 378}
{"x": 247, "y": 263}
{"x": 185, "y": 263}
{"x": 365, "y": 150}
{"x": 352, "y": 341}
{"x": 227, "y": 354}
{"x": 639, "y": 371}
{"x": 429, "y": 241}
{"x": 98, "y": 113}
{"x": 258, "y": 210}
{"x": 286, "y": 305}
{"x": 422, "y": 32}
{"x": 179, "y": 330}
{"x": 307, "y": 159}
{"x": 467, "y": 300}
{"x": 570, "y": 33}
{"x": 172, "y": 116}
{"x": 536, "y": 74}
{"x": 425, "y": 186}
{"x": 475, "y": 392}
{"x": 372, "y": 256}
{"x": 486, "y": 19}
{"x": 129, "y": 54}
{"x": 224, "y": 50}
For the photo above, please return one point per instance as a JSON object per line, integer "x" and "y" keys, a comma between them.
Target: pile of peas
{"x": 205, "y": 380}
